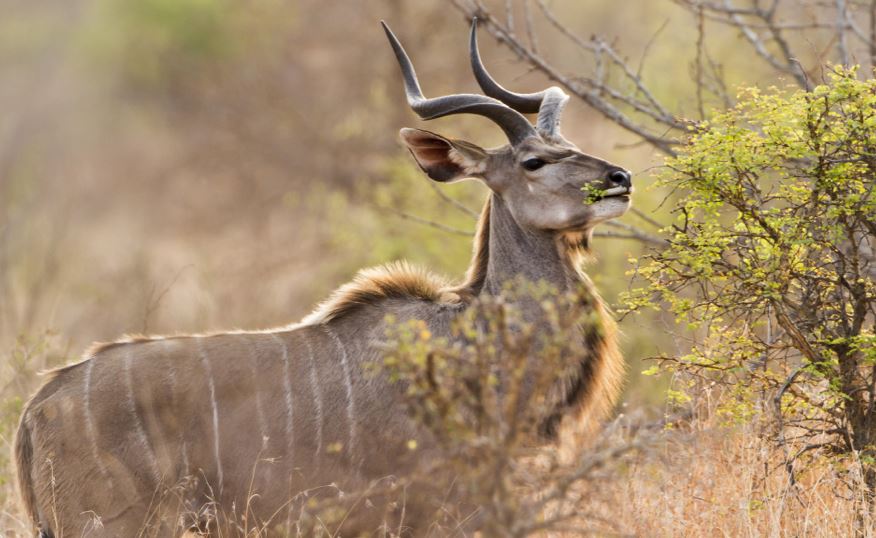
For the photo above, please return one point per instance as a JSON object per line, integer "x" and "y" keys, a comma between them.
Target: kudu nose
{"x": 621, "y": 178}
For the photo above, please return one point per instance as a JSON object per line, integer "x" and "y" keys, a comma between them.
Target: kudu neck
{"x": 514, "y": 252}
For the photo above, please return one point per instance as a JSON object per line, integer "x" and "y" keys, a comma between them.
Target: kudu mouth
{"x": 620, "y": 191}
{"x": 616, "y": 192}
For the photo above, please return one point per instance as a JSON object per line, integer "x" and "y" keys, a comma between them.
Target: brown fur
{"x": 594, "y": 394}
{"x": 402, "y": 280}
{"x": 397, "y": 280}
{"x": 601, "y": 377}
{"x": 595, "y": 388}
{"x": 23, "y": 464}
{"x": 477, "y": 270}
{"x": 606, "y": 369}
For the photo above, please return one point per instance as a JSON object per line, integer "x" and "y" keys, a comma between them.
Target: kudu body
{"x": 255, "y": 422}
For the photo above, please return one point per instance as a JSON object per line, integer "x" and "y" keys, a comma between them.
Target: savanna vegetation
{"x": 191, "y": 165}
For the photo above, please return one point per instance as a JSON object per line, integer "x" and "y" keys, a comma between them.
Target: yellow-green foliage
{"x": 486, "y": 395}
{"x": 771, "y": 257}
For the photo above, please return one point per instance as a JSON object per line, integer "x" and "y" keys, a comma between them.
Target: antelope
{"x": 103, "y": 437}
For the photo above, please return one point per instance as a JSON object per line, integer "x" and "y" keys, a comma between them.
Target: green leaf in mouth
{"x": 593, "y": 193}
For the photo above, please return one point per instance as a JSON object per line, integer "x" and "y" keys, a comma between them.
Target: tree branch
{"x": 591, "y": 96}
{"x": 425, "y": 222}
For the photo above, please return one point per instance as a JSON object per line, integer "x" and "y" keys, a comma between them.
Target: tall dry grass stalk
{"x": 714, "y": 480}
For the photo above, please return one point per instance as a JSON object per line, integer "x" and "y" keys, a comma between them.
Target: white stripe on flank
{"x": 351, "y": 405}
{"x": 206, "y": 363}
{"x": 260, "y": 411}
{"x": 135, "y": 418}
{"x": 287, "y": 395}
{"x": 317, "y": 395}
{"x": 290, "y": 427}
{"x": 90, "y": 428}
{"x": 173, "y": 395}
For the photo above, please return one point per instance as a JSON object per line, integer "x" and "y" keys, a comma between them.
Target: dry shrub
{"x": 487, "y": 397}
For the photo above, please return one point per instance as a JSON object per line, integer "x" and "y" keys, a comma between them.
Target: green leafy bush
{"x": 771, "y": 262}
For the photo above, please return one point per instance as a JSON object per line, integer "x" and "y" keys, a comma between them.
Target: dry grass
{"x": 720, "y": 481}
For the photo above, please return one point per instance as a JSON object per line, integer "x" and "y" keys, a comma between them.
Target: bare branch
{"x": 530, "y": 30}
{"x": 636, "y": 233}
{"x": 598, "y": 47}
{"x": 641, "y": 214}
{"x": 452, "y": 201}
{"x": 873, "y": 34}
{"x": 779, "y": 417}
{"x": 587, "y": 466}
{"x": 425, "y": 222}
{"x": 618, "y": 235}
{"x": 841, "y": 27}
{"x": 698, "y": 65}
{"x": 728, "y": 13}
{"x": 589, "y": 96}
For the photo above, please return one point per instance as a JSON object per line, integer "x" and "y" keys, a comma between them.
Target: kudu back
{"x": 152, "y": 436}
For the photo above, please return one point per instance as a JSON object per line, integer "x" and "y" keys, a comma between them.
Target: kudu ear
{"x": 443, "y": 159}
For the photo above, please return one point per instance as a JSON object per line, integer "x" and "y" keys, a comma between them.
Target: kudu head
{"x": 547, "y": 183}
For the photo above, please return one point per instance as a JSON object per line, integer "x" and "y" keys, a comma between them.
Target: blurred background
{"x": 198, "y": 165}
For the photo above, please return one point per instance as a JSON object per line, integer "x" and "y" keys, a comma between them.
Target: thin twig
{"x": 425, "y": 222}
{"x": 618, "y": 235}
{"x": 530, "y": 30}
{"x": 873, "y": 34}
{"x": 641, "y": 214}
{"x": 452, "y": 201}
{"x": 841, "y": 27}
{"x": 155, "y": 302}
{"x": 777, "y": 402}
{"x": 637, "y": 233}
{"x": 698, "y": 65}
{"x": 647, "y": 49}
{"x": 589, "y": 96}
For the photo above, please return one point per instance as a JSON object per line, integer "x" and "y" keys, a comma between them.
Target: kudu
{"x": 103, "y": 438}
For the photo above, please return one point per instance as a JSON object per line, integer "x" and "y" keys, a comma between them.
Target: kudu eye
{"x": 533, "y": 164}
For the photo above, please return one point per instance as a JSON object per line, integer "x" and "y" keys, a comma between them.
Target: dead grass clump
{"x": 714, "y": 480}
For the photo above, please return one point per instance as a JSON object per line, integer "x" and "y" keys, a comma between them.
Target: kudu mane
{"x": 401, "y": 280}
